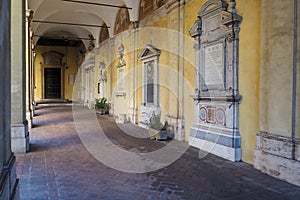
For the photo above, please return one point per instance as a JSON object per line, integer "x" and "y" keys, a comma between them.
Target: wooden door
{"x": 52, "y": 83}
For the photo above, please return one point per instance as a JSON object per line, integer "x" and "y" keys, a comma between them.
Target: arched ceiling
{"x": 78, "y": 13}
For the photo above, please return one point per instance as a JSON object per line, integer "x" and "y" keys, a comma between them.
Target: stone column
{"x": 32, "y": 84}
{"x": 8, "y": 181}
{"x": 29, "y": 15}
{"x": 19, "y": 124}
{"x": 87, "y": 87}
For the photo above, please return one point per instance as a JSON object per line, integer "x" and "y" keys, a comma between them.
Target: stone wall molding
{"x": 272, "y": 155}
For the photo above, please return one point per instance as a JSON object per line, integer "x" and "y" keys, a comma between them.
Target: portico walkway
{"x": 59, "y": 167}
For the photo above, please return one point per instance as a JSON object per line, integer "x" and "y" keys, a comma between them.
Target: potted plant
{"x": 157, "y": 130}
{"x": 101, "y": 105}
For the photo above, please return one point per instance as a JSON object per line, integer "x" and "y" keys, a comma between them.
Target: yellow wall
{"x": 249, "y": 75}
{"x": 249, "y": 67}
{"x": 67, "y": 89}
{"x": 191, "y": 14}
{"x": 277, "y": 66}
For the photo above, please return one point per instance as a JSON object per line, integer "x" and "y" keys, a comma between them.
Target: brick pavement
{"x": 59, "y": 167}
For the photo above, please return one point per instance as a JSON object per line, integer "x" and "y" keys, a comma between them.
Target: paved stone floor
{"x": 59, "y": 167}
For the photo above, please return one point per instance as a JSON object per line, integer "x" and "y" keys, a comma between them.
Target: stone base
{"x": 273, "y": 156}
{"x": 175, "y": 127}
{"x": 143, "y": 125}
{"x": 146, "y": 113}
{"x": 4, "y": 185}
{"x": 8, "y": 181}
{"x": 111, "y": 109}
{"x": 121, "y": 119}
{"x": 86, "y": 103}
{"x": 222, "y": 145}
{"x": 228, "y": 153}
{"x": 132, "y": 115}
{"x": 20, "y": 138}
{"x": 29, "y": 119}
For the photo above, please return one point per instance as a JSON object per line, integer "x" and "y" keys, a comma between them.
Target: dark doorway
{"x": 52, "y": 83}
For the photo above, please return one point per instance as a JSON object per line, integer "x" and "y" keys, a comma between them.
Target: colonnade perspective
{"x": 222, "y": 74}
{"x": 16, "y": 90}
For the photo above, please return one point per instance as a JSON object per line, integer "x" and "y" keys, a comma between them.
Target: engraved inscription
{"x": 214, "y": 64}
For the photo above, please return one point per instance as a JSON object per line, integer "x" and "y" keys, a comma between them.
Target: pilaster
{"x": 8, "y": 180}
{"x": 28, "y": 67}
{"x": 19, "y": 124}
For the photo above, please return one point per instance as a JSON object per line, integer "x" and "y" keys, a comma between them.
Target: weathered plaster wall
{"x": 273, "y": 153}
{"x": 276, "y": 67}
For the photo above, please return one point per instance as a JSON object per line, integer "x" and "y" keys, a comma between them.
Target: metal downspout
{"x": 294, "y": 95}
{"x": 136, "y": 74}
{"x": 134, "y": 69}
{"x": 183, "y": 66}
{"x": 178, "y": 68}
{"x": 234, "y": 72}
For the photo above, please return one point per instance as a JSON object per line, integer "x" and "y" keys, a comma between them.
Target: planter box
{"x": 158, "y": 135}
{"x": 101, "y": 111}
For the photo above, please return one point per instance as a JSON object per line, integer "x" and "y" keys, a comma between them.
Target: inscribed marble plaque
{"x": 214, "y": 64}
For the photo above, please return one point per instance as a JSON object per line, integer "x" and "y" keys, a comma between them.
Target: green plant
{"x": 101, "y": 103}
{"x": 155, "y": 122}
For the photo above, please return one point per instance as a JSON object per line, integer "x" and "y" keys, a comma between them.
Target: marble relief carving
{"x": 121, "y": 71}
{"x": 122, "y": 62}
{"x": 212, "y": 115}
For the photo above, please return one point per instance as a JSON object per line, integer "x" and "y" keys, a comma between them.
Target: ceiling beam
{"x": 69, "y": 24}
{"x": 97, "y": 4}
{"x": 61, "y": 38}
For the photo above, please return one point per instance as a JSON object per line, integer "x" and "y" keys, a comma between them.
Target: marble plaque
{"x": 53, "y": 58}
{"x": 214, "y": 65}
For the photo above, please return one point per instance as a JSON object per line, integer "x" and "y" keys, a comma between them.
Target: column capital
{"x": 29, "y": 15}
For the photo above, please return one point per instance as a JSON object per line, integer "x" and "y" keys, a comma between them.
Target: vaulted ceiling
{"x": 77, "y": 13}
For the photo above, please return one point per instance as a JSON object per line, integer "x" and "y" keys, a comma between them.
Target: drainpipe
{"x": 135, "y": 100}
{"x": 183, "y": 54}
{"x": 294, "y": 95}
{"x": 178, "y": 68}
{"x": 134, "y": 81}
